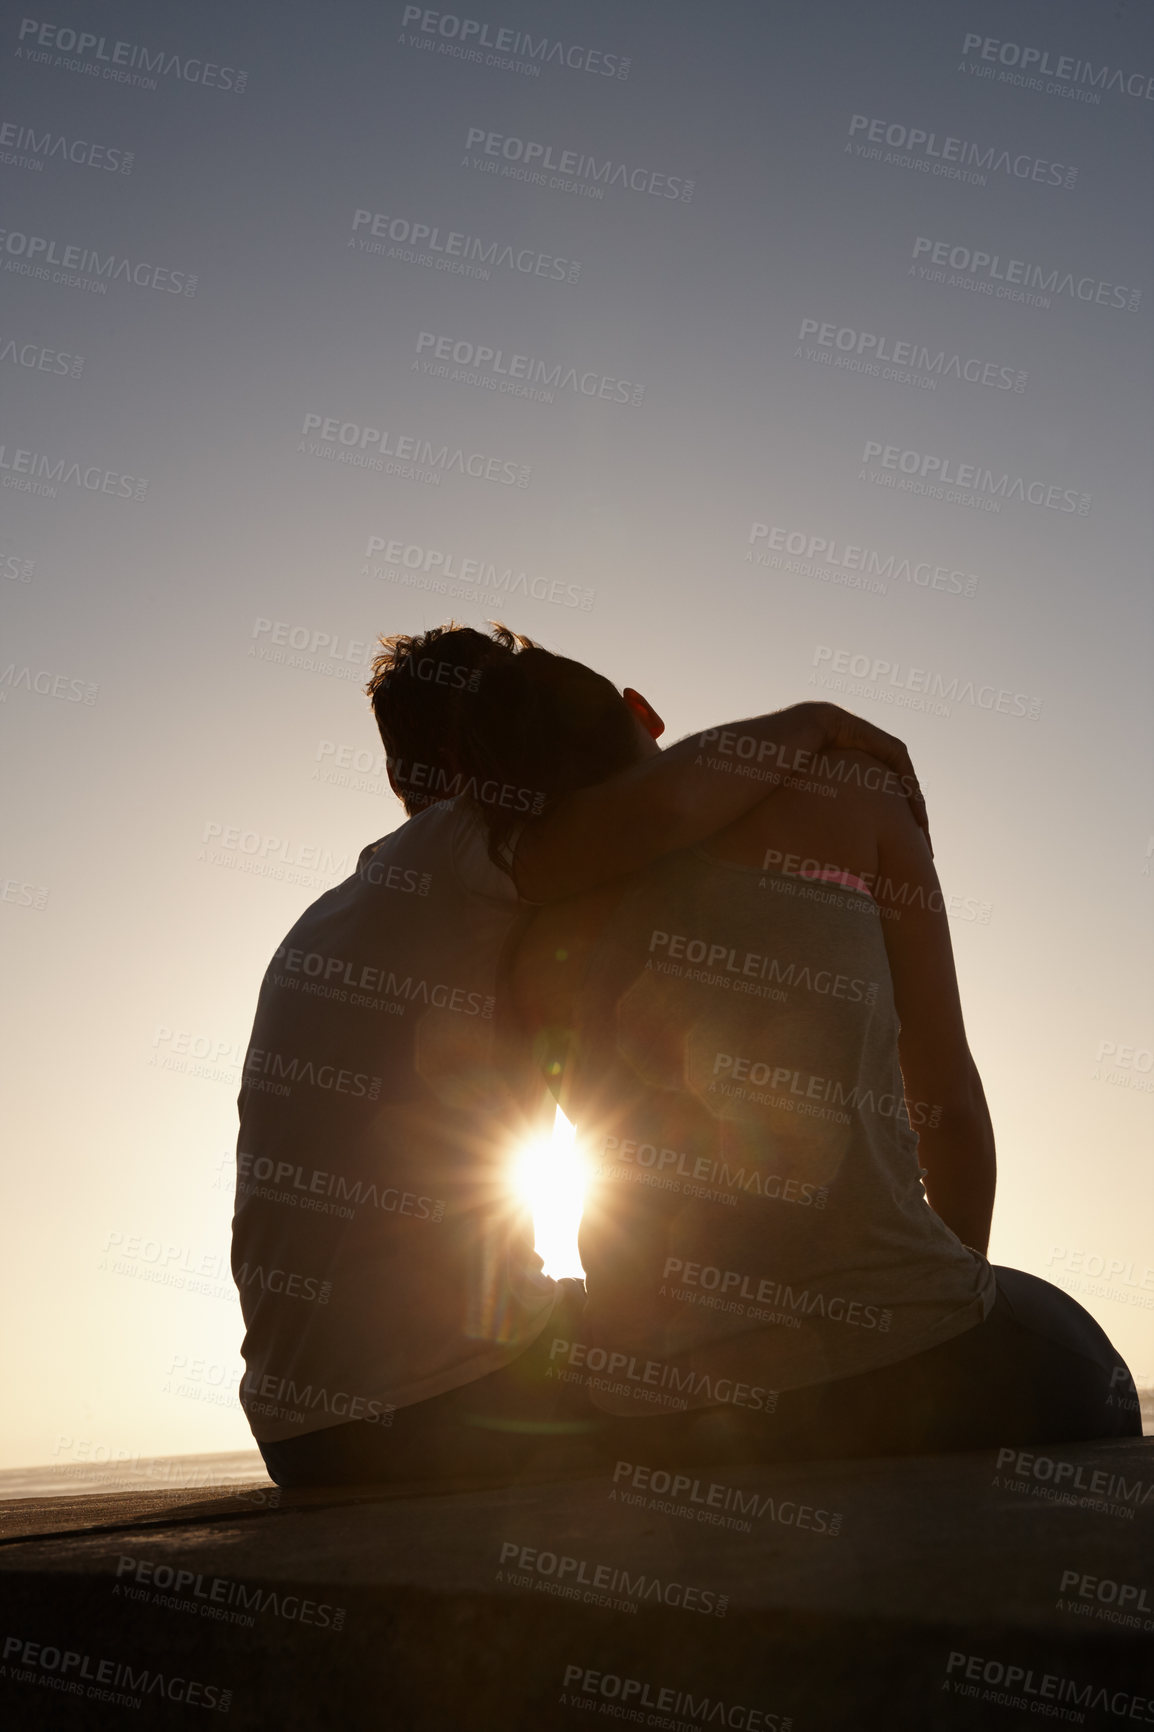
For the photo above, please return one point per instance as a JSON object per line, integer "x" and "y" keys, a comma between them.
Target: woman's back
{"x": 755, "y": 1211}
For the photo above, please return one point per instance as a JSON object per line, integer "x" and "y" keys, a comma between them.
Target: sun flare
{"x": 549, "y": 1178}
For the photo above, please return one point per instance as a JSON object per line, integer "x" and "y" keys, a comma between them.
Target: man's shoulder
{"x": 435, "y": 831}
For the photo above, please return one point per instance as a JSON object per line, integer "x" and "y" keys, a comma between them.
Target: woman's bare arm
{"x": 695, "y": 788}
{"x": 943, "y": 1088}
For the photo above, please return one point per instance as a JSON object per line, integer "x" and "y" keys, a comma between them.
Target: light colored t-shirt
{"x": 380, "y": 1255}
{"x": 756, "y": 1219}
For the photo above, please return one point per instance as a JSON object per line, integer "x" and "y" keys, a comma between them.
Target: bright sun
{"x": 548, "y": 1176}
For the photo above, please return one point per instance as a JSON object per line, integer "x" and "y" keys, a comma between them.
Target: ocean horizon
{"x": 204, "y": 1472}
{"x": 137, "y": 1473}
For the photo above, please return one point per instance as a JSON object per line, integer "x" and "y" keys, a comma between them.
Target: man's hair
{"x": 419, "y": 689}
{"x": 499, "y": 719}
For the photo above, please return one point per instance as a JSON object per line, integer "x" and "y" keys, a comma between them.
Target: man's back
{"x": 755, "y": 1198}
{"x": 379, "y": 1256}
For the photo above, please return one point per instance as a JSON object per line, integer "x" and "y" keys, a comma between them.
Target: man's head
{"x": 418, "y": 687}
{"x": 459, "y": 711}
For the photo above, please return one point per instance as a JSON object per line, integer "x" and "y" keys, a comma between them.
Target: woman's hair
{"x": 540, "y": 727}
{"x": 496, "y": 718}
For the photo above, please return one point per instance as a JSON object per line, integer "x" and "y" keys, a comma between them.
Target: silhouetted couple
{"x": 730, "y": 962}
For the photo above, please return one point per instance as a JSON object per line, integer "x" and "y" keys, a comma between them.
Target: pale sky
{"x": 654, "y": 537}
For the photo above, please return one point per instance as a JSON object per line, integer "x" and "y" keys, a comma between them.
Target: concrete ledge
{"x": 533, "y": 1606}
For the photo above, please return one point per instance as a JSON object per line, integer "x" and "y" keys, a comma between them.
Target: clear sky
{"x": 920, "y": 191}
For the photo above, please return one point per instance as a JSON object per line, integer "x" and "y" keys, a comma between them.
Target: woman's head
{"x": 544, "y": 726}
{"x": 460, "y": 712}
